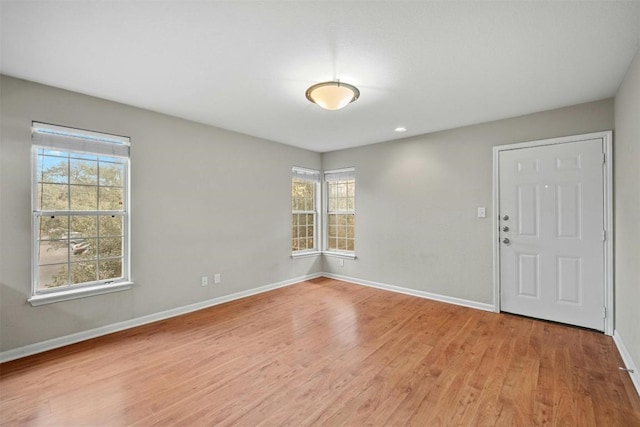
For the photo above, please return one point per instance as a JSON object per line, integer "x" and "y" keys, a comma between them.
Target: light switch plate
{"x": 482, "y": 212}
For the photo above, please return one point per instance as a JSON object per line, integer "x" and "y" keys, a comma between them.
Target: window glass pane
{"x": 84, "y": 197}
{"x": 82, "y": 272}
{"x": 53, "y": 251}
{"x": 350, "y": 245}
{"x": 350, "y": 204}
{"x": 111, "y": 199}
{"x": 83, "y": 227}
{"x": 302, "y": 201}
{"x": 53, "y": 197}
{"x": 110, "y": 269}
{"x": 334, "y": 243}
{"x": 111, "y": 174}
{"x": 110, "y": 225}
{"x": 83, "y": 172}
{"x": 53, "y": 169}
{"x": 350, "y": 232}
{"x": 53, "y": 276}
{"x": 110, "y": 247}
{"x": 84, "y": 249}
{"x": 309, "y": 197}
{"x": 340, "y": 229}
{"x": 53, "y": 227}
{"x": 342, "y": 189}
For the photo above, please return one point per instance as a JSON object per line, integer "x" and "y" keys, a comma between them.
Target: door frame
{"x": 607, "y": 137}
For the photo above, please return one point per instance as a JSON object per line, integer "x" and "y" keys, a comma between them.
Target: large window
{"x": 341, "y": 218}
{"x": 80, "y": 212}
{"x": 304, "y": 210}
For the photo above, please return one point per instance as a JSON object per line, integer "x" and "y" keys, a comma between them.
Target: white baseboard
{"x": 51, "y": 344}
{"x": 628, "y": 361}
{"x": 413, "y": 292}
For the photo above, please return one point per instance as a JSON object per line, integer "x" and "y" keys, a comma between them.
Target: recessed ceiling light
{"x": 400, "y": 129}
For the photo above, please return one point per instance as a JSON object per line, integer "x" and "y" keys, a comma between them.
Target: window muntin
{"x": 80, "y": 209}
{"x": 304, "y": 210}
{"x": 341, "y": 192}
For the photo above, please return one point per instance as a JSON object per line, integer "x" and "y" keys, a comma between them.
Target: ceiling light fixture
{"x": 332, "y": 95}
{"x": 400, "y": 129}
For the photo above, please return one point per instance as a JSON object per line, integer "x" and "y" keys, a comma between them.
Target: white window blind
{"x": 340, "y": 175}
{"x": 306, "y": 174}
{"x": 46, "y": 135}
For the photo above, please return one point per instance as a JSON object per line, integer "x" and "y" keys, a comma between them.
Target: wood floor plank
{"x": 327, "y": 352}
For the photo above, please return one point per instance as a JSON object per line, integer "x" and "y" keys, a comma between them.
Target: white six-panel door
{"x": 551, "y": 219}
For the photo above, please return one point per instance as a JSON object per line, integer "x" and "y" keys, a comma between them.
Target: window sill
{"x": 308, "y": 254}
{"x": 88, "y": 291}
{"x": 343, "y": 255}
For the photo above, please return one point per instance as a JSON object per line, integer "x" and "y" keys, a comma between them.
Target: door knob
{"x": 505, "y": 217}
{"x": 506, "y": 241}
{"x": 505, "y": 228}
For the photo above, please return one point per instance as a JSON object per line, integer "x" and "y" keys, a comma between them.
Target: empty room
{"x": 328, "y": 213}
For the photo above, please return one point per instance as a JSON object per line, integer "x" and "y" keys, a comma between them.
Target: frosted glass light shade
{"x": 332, "y": 95}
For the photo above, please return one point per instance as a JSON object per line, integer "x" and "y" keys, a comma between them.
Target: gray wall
{"x": 627, "y": 210}
{"x": 417, "y": 200}
{"x": 204, "y": 201}
{"x": 208, "y": 201}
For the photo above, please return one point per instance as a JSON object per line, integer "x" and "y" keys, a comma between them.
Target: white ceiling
{"x": 245, "y": 66}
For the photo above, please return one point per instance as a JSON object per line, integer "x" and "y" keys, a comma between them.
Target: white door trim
{"x": 608, "y": 216}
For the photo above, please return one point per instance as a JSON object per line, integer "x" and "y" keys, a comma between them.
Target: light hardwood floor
{"x": 325, "y": 352}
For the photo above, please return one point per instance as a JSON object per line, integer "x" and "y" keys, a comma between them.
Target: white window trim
{"x": 311, "y": 175}
{"x": 71, "y": 139}
{"x": 335, "y": 175}
{"x": 306, "y": 254}
{"x": 80, "y": 292}
{"x": 340, "y": 254}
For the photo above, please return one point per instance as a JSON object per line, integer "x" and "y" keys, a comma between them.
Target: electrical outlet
{"x": 204, "y": 281}
{"x": 216, "y": 278}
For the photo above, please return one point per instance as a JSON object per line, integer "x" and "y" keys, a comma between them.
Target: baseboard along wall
{"x": 631, "y": 367}
{"x": 51, "y": 344}
{"x": 54, "y": 343}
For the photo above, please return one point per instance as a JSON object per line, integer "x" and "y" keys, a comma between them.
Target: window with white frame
{"x": 304, "y": 210}
{"x": 80, "y": 211}
{"x": 341, "y": 214}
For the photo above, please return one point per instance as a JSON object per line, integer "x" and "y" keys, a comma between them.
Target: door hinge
{"x": 604, "y": 158}
{"x": 604, "y": 235}
{"x": 604, "y": 312}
